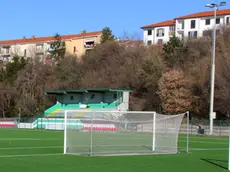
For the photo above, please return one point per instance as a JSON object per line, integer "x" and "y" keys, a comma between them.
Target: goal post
{"x": 104, "y": 133}
{"x": 65, "y": 131}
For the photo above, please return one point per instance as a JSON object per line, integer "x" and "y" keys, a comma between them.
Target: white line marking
{"x": 18, "y": 139}
{"x": 41, "y": 147}
{"x": 29, "y": 155}
{"x": 221, "y": 143}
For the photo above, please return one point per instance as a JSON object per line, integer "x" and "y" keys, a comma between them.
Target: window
{"x": 115, "y": 96}
{"x": 218, "y": 21}
{"x": 149, "y": 32}
{"x": 192, "y": 34}
{"x": 92, "y": 96}
{"x": 71, "y": 97}
{"x": 193, "y": 24}
{"x": 74, "y": 49}
{"x": 24, "y": 52}
{"x": 227, "y": 21}
{"x": 183, "y": 24}
{"x": 160, "y": 32}
{"x": 149, "y": 42}
{"x": 172, "y": 29}
{"x": 207, "y": 22}
{"x": 7, "y": 50}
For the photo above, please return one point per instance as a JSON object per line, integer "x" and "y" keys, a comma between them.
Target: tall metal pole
{"x": 187, "y": 145}
{"x": 213, "y": 72}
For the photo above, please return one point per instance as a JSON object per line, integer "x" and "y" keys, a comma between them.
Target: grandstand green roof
{"x": 88, "y": 90}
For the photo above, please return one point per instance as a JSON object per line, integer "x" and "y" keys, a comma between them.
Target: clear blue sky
{"x": 125, "y": 17}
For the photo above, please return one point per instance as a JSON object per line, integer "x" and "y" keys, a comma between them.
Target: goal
{"x": 108, "y": 133}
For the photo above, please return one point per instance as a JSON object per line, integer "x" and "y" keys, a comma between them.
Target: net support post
{"x": 154, "y": 131}
{"x": 65, "y": 131}
{"x": 91, "y": 134}
{"x": 187, "y": 145}
{"x": 229, "y": 151}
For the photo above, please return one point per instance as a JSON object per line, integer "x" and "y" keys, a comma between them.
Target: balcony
{"x": 171, "y": 34}
{"x": 5, "y": 52}
{"x": 39, "y": 50}
{"x": 180, "y": 29}
{"x": 89, "y": 45}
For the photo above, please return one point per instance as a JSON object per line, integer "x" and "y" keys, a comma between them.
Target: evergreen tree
{"x": 174, "y": 52}
{"x": 107, "y": 35}
{"x": 12, "y": 68}
{"x": 57, "y": 48}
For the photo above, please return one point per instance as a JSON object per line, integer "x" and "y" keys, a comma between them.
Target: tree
{"x": 2, "y": 71}
{"x": 107, "y": 35}
{"x": 57, "y": 48}
{"x": 12, "y": 68}
{"x": 173, "y": 52}
{"x": 173, "y": 92}
{"x": 148, "y": 76}
{"x": 31, "y": 84}
{"x": 67, "y": 73}
{"x": 7, "y": 97}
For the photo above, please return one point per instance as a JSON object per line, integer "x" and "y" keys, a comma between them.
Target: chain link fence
{"x": 220, "y": 127}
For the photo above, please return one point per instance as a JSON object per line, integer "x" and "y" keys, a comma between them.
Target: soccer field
{"x": 41, "y": 150}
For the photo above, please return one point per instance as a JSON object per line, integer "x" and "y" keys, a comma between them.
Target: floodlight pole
{"x": 187, "y": 145}
{"x": 215, "y": 6}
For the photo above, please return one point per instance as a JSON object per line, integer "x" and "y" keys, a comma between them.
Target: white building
{"x": 27, "y": 47}
{"x": 158, "y": 33}
{"x": 188, "y": 26}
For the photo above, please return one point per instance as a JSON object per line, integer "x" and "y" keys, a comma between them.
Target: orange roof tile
{"x": 160, "y": 24}
{"x": 48, "y": 38}
{"x": 205, "y": 14}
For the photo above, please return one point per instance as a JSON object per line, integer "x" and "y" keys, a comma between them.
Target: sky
{"x": 124, "y": 17}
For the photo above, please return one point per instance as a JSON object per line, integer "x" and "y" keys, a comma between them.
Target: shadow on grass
{"x": 218, "y": 163}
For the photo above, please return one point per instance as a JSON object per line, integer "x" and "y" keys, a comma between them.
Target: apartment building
{"x": 39, "y": 47}
{"x": 188, "y": 26}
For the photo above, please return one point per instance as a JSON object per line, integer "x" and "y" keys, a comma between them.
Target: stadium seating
{"x": 100, "y": 127}
{"x": 7, "y": 123}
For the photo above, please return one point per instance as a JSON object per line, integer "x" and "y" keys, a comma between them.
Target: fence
{"x": 220, "y": 127}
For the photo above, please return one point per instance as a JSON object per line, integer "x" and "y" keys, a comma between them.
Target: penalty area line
{"x": 29, "y": 155}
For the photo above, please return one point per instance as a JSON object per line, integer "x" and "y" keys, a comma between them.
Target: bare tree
{"x": 7, "y": 95}
{"x": 31, "y": 84}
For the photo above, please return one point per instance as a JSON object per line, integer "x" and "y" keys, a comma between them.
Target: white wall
{"x": 149, "y": 37}
{"x": 125, "y": 104}
{"x": 25, "y": 125}
{"x": 200, "y": 25}
{"x": 154, "y": 38}
{"x": 31, "y": 50}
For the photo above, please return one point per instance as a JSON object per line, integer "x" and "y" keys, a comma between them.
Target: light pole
{"x": 216, "y": 7}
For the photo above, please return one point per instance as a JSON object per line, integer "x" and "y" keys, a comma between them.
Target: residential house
{"x": 39, "y": 47}
{"x": 188, "y": 26}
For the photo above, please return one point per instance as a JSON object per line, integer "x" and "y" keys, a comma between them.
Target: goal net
{"x": 101, "y": 133}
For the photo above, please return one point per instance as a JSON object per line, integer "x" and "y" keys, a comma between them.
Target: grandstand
{"x": 85, "y": 100}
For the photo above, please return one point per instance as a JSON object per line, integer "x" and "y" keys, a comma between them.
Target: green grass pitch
{"x": 41, "y": 150}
